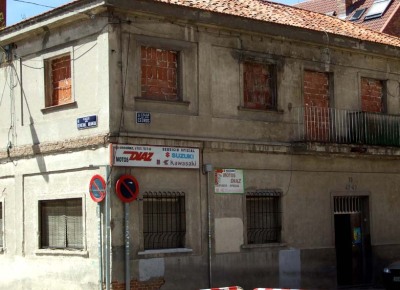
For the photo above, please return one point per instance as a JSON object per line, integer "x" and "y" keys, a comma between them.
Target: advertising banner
{"x": 228, "y": 181}
{"x": 154, "y": 156}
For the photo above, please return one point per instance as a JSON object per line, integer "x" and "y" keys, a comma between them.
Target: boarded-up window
{"x": 164, "y": 220}
{"x": 372, "y": 95}
{"x": 1, "y": 224}
{"x": 259, "y": 86}
{"x": 58, "y": 81}
{"x": 61, "y": 224}
{"x": 263, "y": 214}
{"x": 159, "y": 74}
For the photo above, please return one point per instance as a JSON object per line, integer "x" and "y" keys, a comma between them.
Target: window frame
{"x": 278, "y": 215}
{"x": 272, "y": 82}
{"x": 47, "y": 80}
{"x": 65, "y": 252}
{"x": 384, "y": 91}
{"x": 165, "y": 196}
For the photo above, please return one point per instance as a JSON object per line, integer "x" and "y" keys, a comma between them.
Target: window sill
{"x": 146, "y": 100}
{"x": 71, "y": 253}
{"x": 59, "y": 107}
{"x": 164, "y": 252}
{"x": 240, "y": 108}
{"x": 259, "y": 246}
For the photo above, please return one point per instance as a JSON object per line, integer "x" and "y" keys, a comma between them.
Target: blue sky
{"x": 18, "y": 10}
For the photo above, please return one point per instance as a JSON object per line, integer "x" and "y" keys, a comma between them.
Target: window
{"x": 61, "y": 224}
{"x": 373, "y": 93}
{"x": 377, "y": 9}
{"x": 164, "y": 220}
{"x": 357, "y": 15}
{"x": 259, "y": 85}
{"x": 1, "y": 224}
{"x": 58, "y": 80}
{"x": 159, "y": 74}
{"x": 263, "y": 211}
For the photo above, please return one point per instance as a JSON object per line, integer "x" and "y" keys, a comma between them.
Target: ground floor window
{"x": 263, "y": 215}
{"x": 164, "y": 220}
{"x": 61, "y": 225}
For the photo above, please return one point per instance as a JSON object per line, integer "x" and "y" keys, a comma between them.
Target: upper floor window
{"x": 259, "y": 85}
{"x": 372, "y": 95}
{"x": 164, "y": 220}
{"x": 263, "y": 215}
{"x": 58, "y": 80}
{"x": 159, "y": 74}
{"x": 61, "y": 225}
{"x": 1, "y": 224}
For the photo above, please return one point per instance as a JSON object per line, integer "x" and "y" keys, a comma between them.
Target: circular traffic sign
{"x": 127, "y": 188}
{"x": 97, "y": 188}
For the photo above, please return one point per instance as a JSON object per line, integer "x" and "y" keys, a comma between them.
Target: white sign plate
{"x": 154, "y": 156}
{"x": 228, "y": 181}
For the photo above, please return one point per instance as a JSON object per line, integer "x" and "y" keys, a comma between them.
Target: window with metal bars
{"x": 1, "y": 224}
{"x": 164, "y": 220}
{"x": 263, "y": 212}
{"x": 61, "y": 225}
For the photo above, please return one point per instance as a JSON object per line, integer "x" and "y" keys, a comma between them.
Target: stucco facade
{"x": 44, "y": 156}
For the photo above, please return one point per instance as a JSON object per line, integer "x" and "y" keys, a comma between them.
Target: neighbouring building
{"x": 379, "y": 15}
{"x": 185, "y": 144}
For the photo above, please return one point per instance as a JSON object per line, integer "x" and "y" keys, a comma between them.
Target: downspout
{"x": 207, "y": 169}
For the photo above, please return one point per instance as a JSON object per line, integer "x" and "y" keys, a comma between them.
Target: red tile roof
{"x": 325, "y": 6}
{"x": 266, "y": 11}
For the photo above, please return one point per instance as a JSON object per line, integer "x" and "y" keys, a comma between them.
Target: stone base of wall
{"x": 153, "y": 284}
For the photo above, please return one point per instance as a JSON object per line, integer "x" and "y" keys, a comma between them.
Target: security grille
{"x": 263, "y": 210}
{"x": 1, "y": 224}
{"x": 347, "y": 204}
{"x": 164, "y": 220}
{"x": 61, "y": 224}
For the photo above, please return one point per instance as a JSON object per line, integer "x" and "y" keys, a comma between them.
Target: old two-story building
{"x": 185, "y": 144}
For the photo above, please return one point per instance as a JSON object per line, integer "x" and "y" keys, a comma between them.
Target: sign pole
{"x": 127, "y": 261}
{"x": 100, "y": 246}
{"x": 108, "y": 229}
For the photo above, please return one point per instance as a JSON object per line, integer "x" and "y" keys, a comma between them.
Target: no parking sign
{"x": 127, "y": 188}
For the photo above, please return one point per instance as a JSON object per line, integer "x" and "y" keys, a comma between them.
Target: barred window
{"x": 1, "y": 224}
{"x": 164, "y": 220}
{"x": 263, "y": 209}
{"x": 61, "y": 224}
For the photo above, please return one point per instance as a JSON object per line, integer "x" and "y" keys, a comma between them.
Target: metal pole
{"x": 108, "y": 230}
{"x": 208, "y": 169}
{"x": 127, "y": 268}
{"x": 100, "y": 246}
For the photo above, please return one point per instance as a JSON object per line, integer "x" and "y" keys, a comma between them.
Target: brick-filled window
{"x": 164, "y": 220}
{"x": 58, "y": 80}
{"x": 263, "y": 216}
{"x": 372, "y": 95}
{"x": 259, "y": 85}
{"x": 159, "y": 74}
{"x": 1, "y": 224}
{"x": 316, "y": 91}
{"x": 61, "y": 225}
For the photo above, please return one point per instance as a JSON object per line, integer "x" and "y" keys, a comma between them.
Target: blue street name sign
{"x": 86, "y": 122}
{"x": 143, "y": 118}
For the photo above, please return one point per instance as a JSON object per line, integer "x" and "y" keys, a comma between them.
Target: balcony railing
{"x": 347, "y": 127}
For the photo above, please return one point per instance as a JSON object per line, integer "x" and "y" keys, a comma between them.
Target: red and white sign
{"x": 226, "y": 288}
{"x": 154, "y": 156}
{"x": 228, "y": 181}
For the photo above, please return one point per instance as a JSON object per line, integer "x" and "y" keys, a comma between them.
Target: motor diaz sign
{"x": 155, "y": 156}
{"x": 228, "y": 181}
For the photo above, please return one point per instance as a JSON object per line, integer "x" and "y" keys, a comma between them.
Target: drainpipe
{"x": 207, "y": 169}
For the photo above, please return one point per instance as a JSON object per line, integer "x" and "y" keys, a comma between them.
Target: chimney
{"x": 343, "y": 7}
{"x": 3, "y": 11}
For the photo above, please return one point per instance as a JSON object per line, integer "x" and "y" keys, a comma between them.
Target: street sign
{"x": 97, "y": 188}
{"x": 127, "y": 188}
{"x": 143, "y": 118}
{"x": 86, "y": 122}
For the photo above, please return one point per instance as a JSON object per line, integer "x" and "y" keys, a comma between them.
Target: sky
{"x": 18, "y": 10}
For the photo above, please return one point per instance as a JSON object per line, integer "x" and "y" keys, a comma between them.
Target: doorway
{"x": 352, "y": 240}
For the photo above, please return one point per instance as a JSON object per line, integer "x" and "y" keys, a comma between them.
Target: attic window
{"x": 331, "y": 13}
{"x": 377, "y": 9}
{"x": 357, "y": 15}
